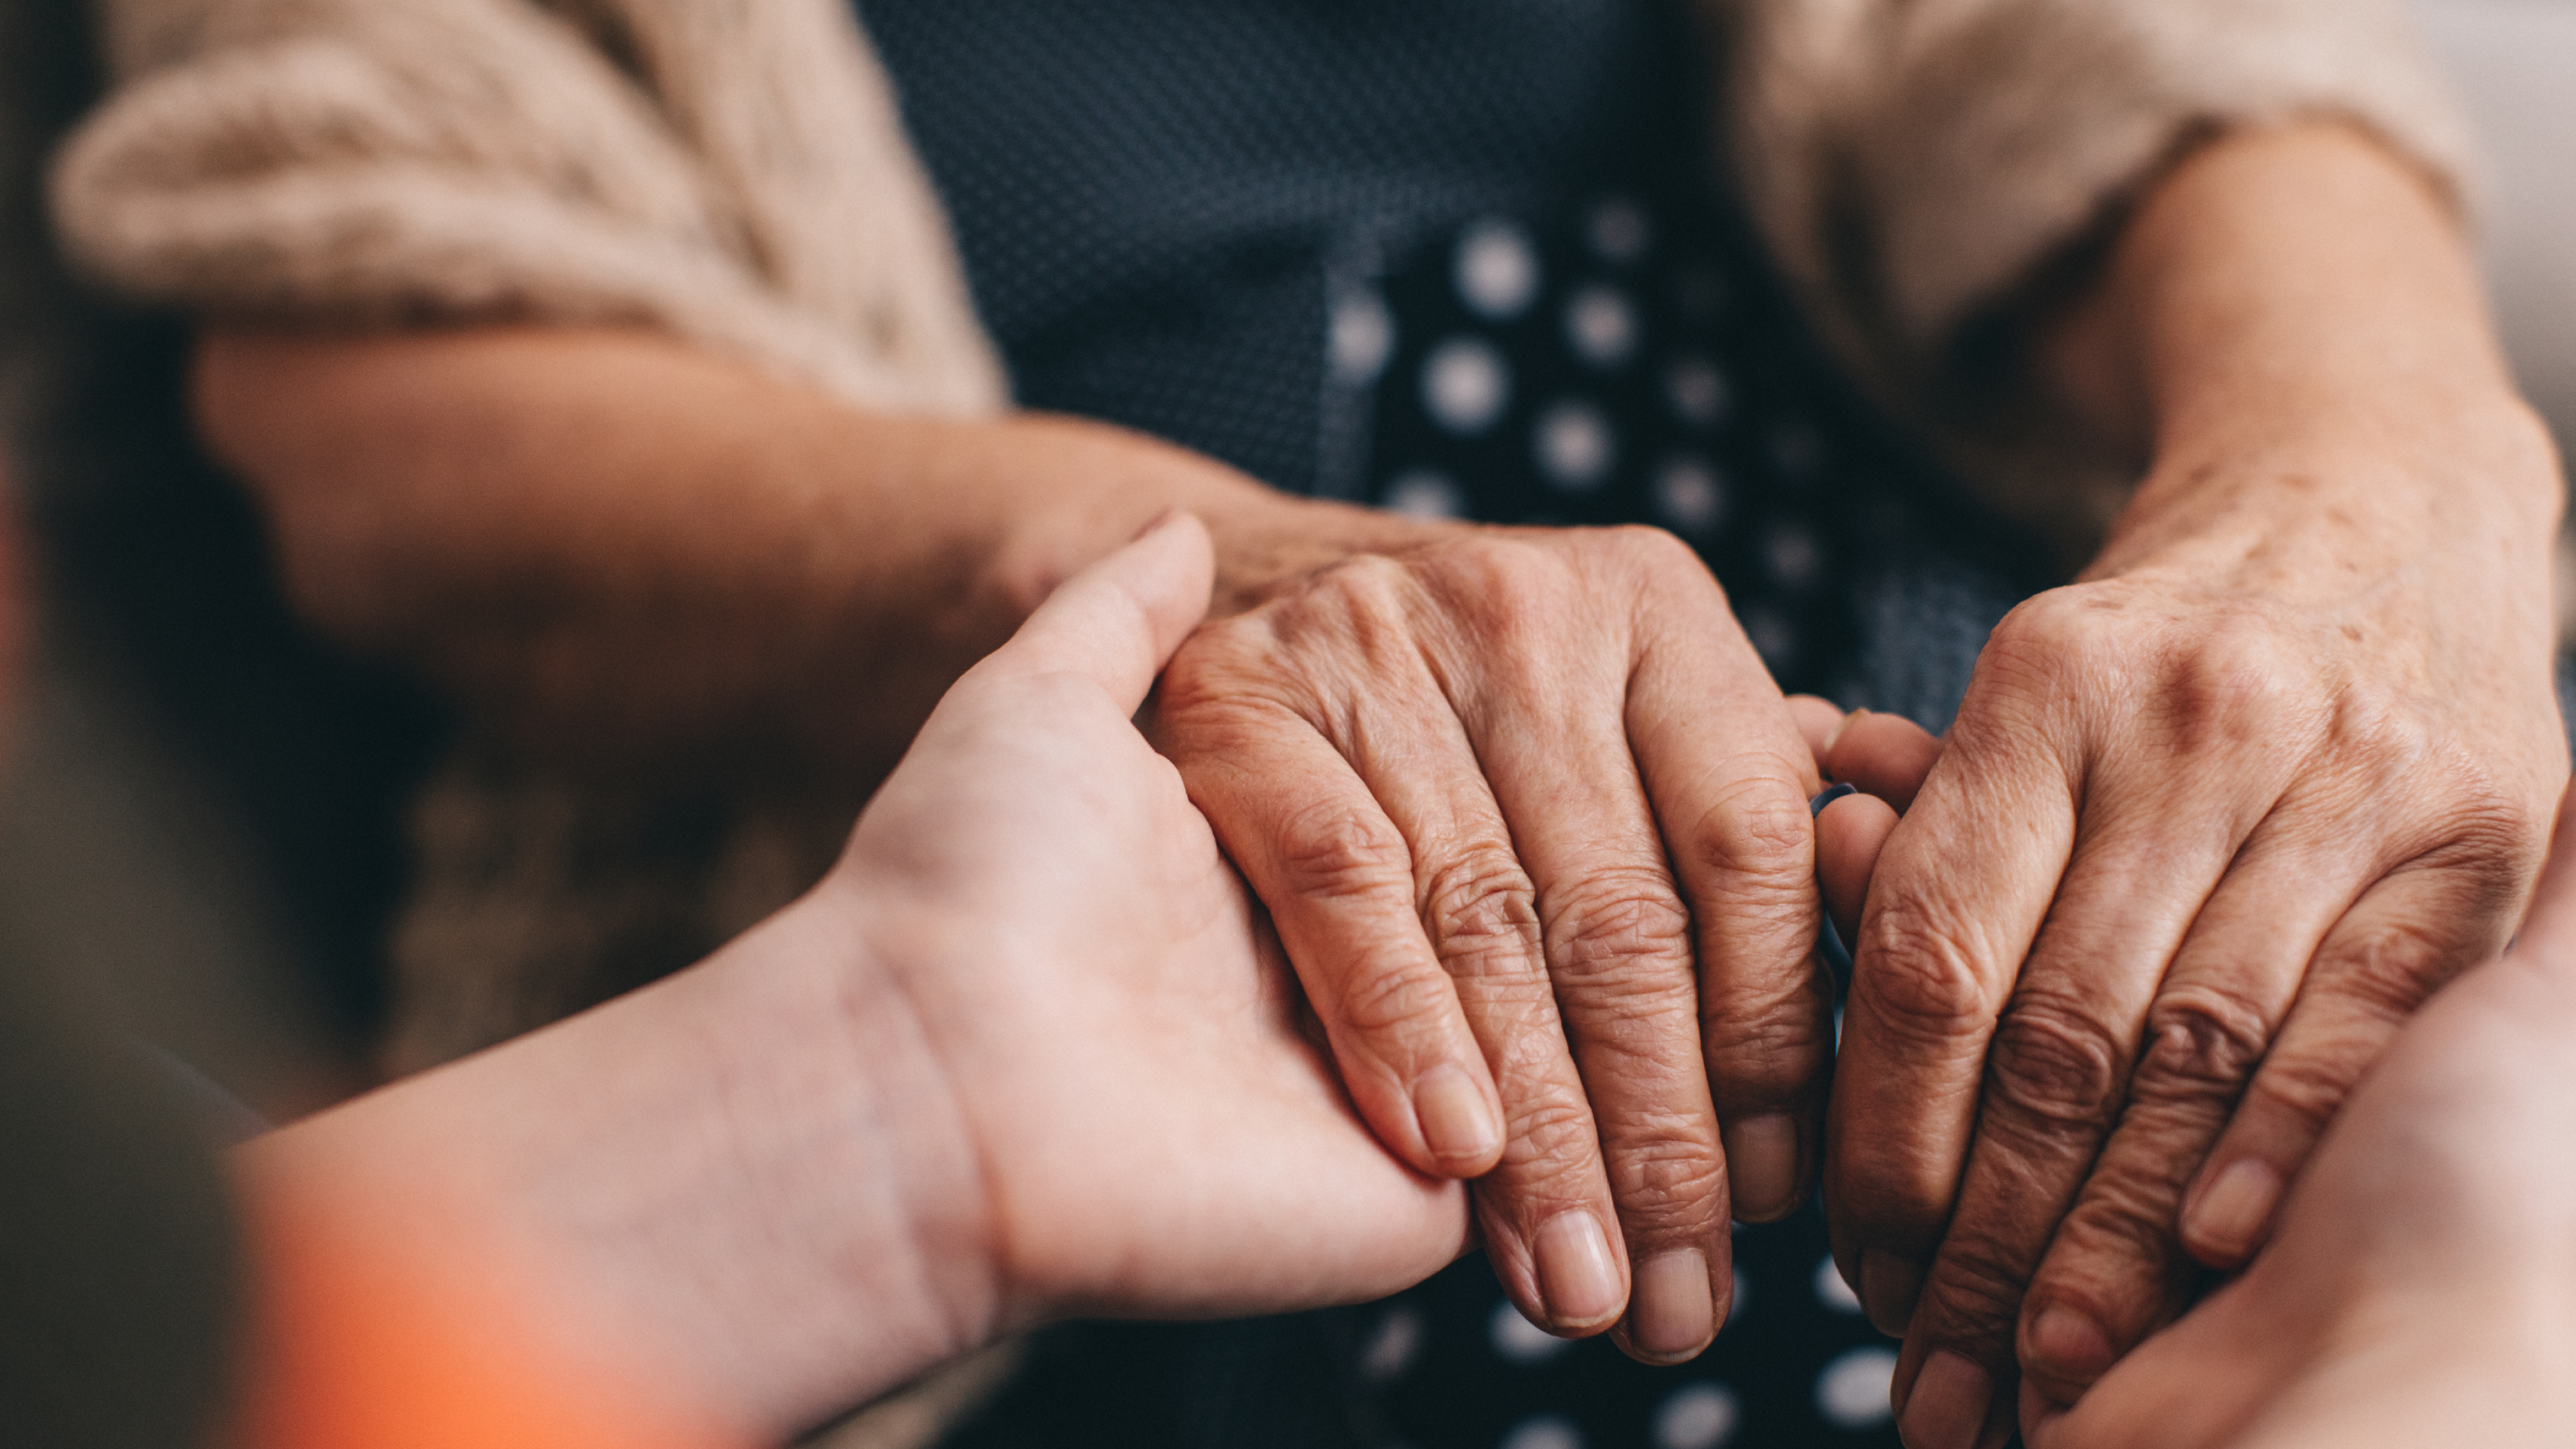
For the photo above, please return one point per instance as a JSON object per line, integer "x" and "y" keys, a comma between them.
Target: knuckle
{"x": 1977, "y": 1283}
{"x": 1655, "y": 554}
{"x": 2051, "y": 632}
{"x": 2308, "y": 1087}
{"x": 1918, "y": 978}
{"x": 2054, "y": 1066}
{"x": 1666, "y": 1180}
{"x": 1394, "y": 1002}
{"x": 1481, "y": 911}
{"x": 2123, "y": 1234}
{"x": 1514, "y": 582}
{"x": 1338, "y": 850}
{"x": 1767, "y": 1055}
{"x": 1550, "y": 1136}
{"x": 2201, "y": 1044}
{"x": 2387, "y": 964}
{"x": 1620, "y": 929}
{"x": 1759, "y": 835}
{"x": 2236, "y": 685}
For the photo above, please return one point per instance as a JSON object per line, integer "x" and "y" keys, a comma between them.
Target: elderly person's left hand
{"x": 2422, "y": 1286}
{"x": 2216, "y": 818}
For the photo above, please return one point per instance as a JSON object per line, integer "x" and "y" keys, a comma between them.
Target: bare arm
{"x": 620, "y": 543}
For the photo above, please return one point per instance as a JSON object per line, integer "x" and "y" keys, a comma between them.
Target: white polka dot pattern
{"x": 1498, "y": 275}
{"x": 1547, "y": 1433}
{"x": 1697, "y": 391}
{"x": 1393, "y": 1348}
{"x": 1689, "y": 497}
{"x": 1792, "y": 555}
{"x": 1601, "y": 326}
{"x": 1466, "y": 385}
{"x": 1852, "y": 1391}
{"x": 1426, "y": 494}
{"x": 1521, "y": 1341}
{"x": 1618, "y": 230}
{"x": 1361, "y": 339}
{"x": 1702, "y": 1416}
{"x": 1832, "y": 1291}
{"x": 1575, "y": 446}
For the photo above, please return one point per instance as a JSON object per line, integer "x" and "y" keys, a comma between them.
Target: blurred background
{"x": 198, "y": 833}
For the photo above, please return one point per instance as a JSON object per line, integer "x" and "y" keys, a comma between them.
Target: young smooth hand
{"x": 1153, "y": 1127}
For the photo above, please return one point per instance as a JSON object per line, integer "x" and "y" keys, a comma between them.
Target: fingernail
{"x": 1836, "y": 737}
{"x": 2230, "y": 1217}
{"x": 1762, "y": 1166}
{"x": 1947, "y": 1409}
{"x": 2068, "y": 1346}
{"x": 1673, "y": 1314}
{"x": 1577, "y": 1278}
{"x": 1457, "y": 1124}
{"x": 1888, "y": 1287}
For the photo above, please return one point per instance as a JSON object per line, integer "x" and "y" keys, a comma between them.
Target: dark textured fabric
{"x": 1150, "y": 194}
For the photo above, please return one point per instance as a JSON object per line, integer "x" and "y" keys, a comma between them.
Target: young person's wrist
{"x": 747, "y": 1188}
{"x": 863, "y": 1252}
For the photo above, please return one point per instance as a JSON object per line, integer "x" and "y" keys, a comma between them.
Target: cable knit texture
{"x": 731, "y": 172}
{"x": 734, "y": 172}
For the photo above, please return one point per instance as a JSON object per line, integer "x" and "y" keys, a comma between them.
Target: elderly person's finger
{"x": 1885, "y": 755}
{"x": 2418, "y": 928}
{"x": 1310, "y": 837}
{"x": 1532, "y": 869}
{"x": 1818, "y": 721}
{"x": 1618, "y": 943}
{"x": 1730, "y": 778}
{"x": 1957, "y": 898}
{"x": 2055, "y": 1071}
{"x": 1850, "y": 834}
{"x": 1718, "y": 763}
{"x": 2116, "y": 1268}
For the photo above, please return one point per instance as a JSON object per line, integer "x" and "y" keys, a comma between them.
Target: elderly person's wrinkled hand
{"x": 2421, "y": 1287}
{"x": 1531, "y": 819}
{"x": 2214, "y": 819}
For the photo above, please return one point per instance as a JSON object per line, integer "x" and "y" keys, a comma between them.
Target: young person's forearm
{"x": 744, "y": 1192}
{"x": 625, "y": 547}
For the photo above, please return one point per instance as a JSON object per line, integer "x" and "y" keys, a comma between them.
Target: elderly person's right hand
{"x": 1531, "y": 819}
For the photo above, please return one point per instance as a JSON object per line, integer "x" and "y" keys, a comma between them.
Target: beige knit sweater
{"x": 734, "y": 172}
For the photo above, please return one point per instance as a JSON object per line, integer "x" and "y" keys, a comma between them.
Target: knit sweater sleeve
{"x": 373, "y": 163}
{"x": 1914, "y": 164}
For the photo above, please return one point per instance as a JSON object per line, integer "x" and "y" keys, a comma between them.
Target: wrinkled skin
{"x": 1527, "y": 797}
{"x": 2421, "y": 1288}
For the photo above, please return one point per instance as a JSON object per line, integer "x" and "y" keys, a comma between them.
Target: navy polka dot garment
{"x": 1610, "y": 365}
{"x": 1457, "y": 258}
